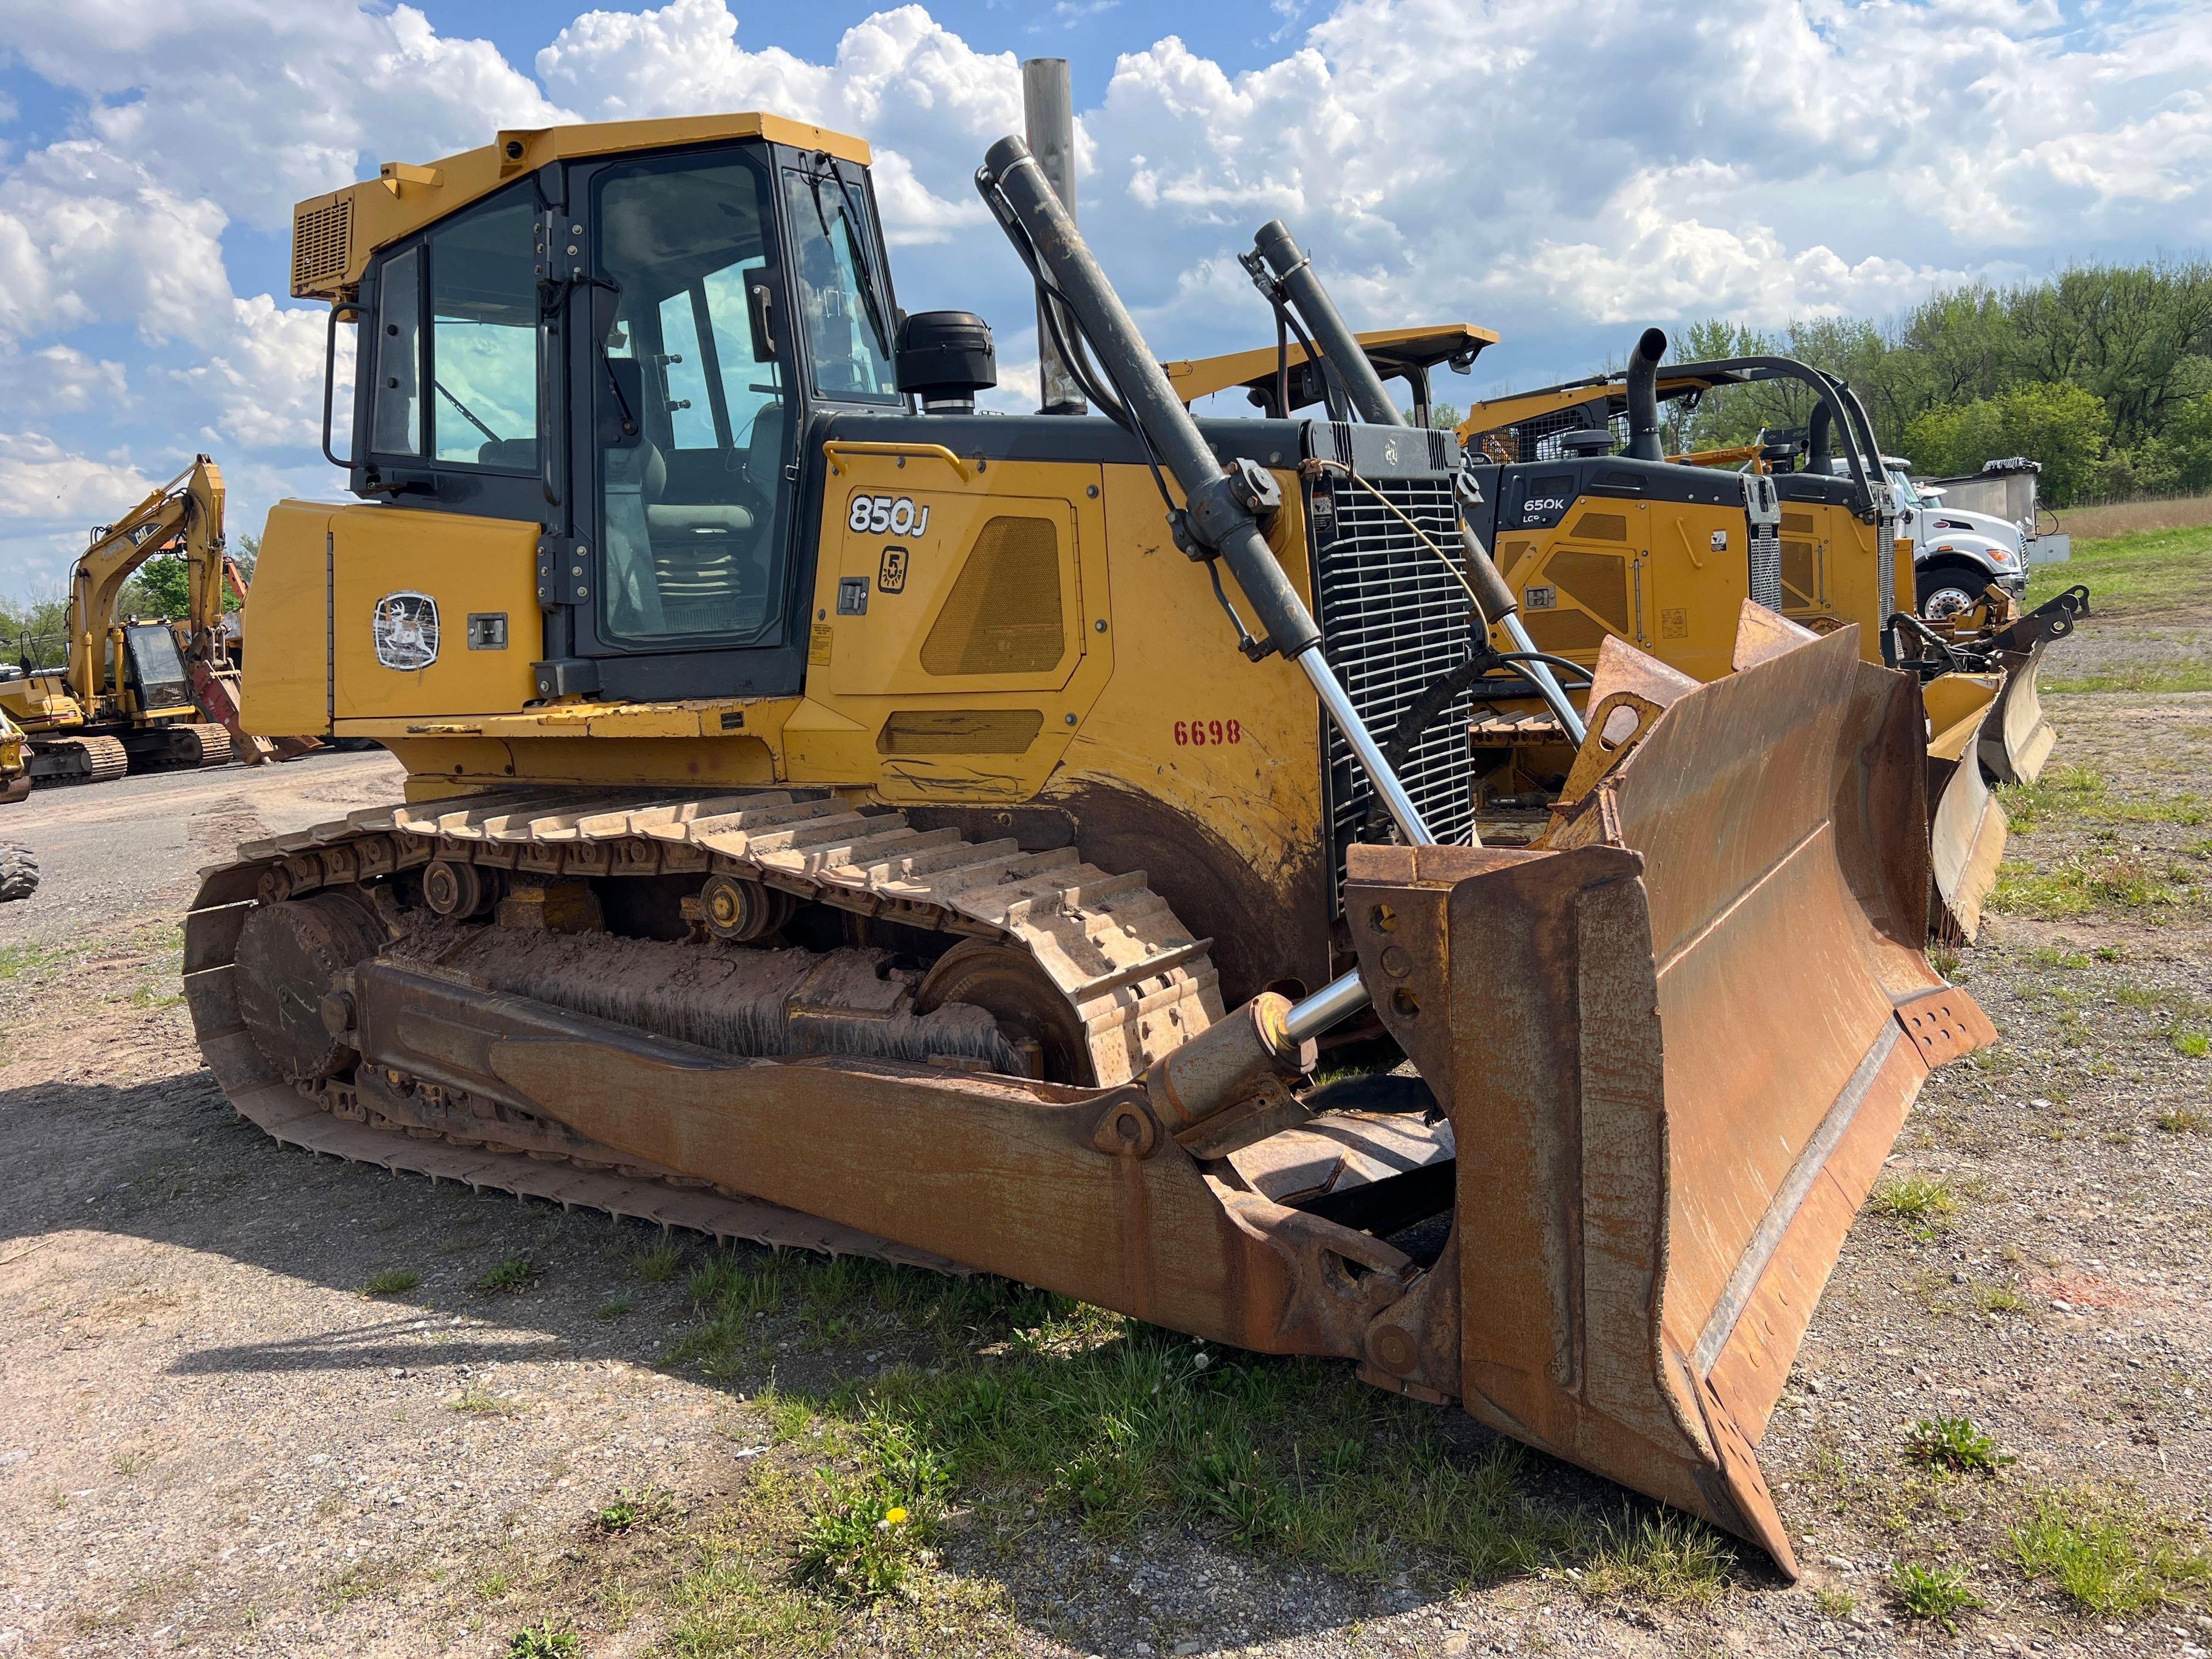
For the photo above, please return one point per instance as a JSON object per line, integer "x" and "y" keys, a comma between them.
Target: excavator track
{"x": 1130, "y": 975}
{"x": 79, "y": 760}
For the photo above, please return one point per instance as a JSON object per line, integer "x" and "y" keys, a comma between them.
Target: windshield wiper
{"x": 468, "y": 414}
{"x": 853, "y": 220}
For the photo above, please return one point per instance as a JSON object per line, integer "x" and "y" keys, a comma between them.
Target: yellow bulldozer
{"x": 127, "y": 696}
{"x": 835, "y": 818}
{"x": 1603, "y": 542}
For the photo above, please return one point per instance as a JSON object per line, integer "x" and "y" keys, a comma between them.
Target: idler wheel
{"x": 1032, "y": 1014}
{"x": 453, "y": 889}
{"x": 289, "y": 955}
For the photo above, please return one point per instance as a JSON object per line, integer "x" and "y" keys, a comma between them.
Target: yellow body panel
{"x": 287, "y": 609}
{"x": 1231, "y": 747}
{"x": 1668, "y": 577}
{"x": 973, "y": 653}
{"x": 483, "y": 567}
{"x": 1681, "y": 578}
{"x": 1390, "y": 349}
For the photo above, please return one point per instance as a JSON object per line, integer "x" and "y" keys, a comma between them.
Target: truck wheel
{"x": 18, "y": 871}
{"x": 1948, "y": 588}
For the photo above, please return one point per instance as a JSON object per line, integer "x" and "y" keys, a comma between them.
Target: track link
{"x": 1139, "y": 984}
{"x": 79, "y": 760}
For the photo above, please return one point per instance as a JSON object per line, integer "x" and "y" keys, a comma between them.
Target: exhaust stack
{"x": 1643, "y": 397}
{"x": 1048, "y": 117}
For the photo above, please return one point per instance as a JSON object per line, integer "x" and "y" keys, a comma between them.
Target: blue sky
{"x": 1565, "y": 174}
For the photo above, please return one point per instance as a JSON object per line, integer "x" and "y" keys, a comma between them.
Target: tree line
{"x": 2102, "y": 373}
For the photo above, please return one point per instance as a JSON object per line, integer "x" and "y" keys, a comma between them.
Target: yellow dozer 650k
{"x": 834, "y": 823}
{"x": 1606, "y": 542}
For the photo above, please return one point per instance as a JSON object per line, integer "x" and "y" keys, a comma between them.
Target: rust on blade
{"x": 1967, "y": 828}
{"x": 1676, "y": 1046}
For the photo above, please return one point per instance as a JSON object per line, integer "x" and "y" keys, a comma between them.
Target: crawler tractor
{"x": 839, "y": 823}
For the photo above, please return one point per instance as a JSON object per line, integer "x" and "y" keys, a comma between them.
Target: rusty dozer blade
{"x": 2017, "y": 739}
{"x": 1677, "y": 1044}
{"x": 1966, "y": 827}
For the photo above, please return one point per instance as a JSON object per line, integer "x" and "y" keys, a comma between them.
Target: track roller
{"x": 738, "y": 911}
{"x": 461, "y": 890}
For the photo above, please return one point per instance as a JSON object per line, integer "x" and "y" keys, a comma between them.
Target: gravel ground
{"x": 214, "y": 1439}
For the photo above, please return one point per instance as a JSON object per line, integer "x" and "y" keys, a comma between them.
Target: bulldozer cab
{"x": 625, "y": 347}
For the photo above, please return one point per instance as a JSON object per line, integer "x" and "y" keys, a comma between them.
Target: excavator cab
{"x": 836, "y": 818}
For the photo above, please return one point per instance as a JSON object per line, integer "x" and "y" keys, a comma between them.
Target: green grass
{"x": 542, "y": 1641}
{"x": 608, "y": 1312}
{"x": 476, "y": 1401}
{"x": 657, "y": 1265}
{"x": 2106, "y": 1557}
{"x": 1036, "y": 1404}
{"x": 1930, "y": 1594}
{"x": 392, "y": 1281}
{"x": 510, "y": 1274}
{"x": 1954, "y": 1443}
{"x": 2150, "y": 570}
{"x": 2080, "y": 885}
{"x": 633, "y": 1508}
{"x": 1914, "y": 1198}
{"x": 2060, "y": 793}
{"x": 859, "y": 1542}
{"x": 2182, "y": 1120}
{"x": 2000, "y": 1299}
{"x": 2190, "y": 1045}
{"x": 2151, "y": 678}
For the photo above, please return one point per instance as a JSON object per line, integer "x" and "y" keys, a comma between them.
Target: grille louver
{"x": 1393, "y": 618}
{"x": 322, "y": 237}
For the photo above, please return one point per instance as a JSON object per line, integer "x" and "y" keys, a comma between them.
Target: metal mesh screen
{"x": 1393, "y": 618}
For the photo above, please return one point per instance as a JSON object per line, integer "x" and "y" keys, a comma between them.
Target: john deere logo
{"x": 405, "y": 625}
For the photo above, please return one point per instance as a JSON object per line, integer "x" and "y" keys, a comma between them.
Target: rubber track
{"x": 1141, "y": 983}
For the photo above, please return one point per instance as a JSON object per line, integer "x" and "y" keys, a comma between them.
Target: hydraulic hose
{"x": 1220, "y": 506}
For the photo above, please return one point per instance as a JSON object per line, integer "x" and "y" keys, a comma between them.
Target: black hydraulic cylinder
{"x": 1326, "y": 324}
{"x": 1220, "y": 519}
{"x": 1643, "y": 397}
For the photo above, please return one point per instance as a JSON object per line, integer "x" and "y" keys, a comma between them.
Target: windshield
{"x": 1906, "y": 495}
{"x": 847, "y": 318}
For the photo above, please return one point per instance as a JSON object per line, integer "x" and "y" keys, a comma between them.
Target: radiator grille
{"x": 321, "y": 239}
{"x": 1393, "y": 617}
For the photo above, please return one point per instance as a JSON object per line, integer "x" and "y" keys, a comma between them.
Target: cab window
{"x": 483, "y": 337}
{"x": 846, "y": 313}
{"x": 689, "y": 402}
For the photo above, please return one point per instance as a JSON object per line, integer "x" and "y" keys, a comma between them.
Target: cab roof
{"x": 334, "y": 235}
{"x": 1391, "y": 350}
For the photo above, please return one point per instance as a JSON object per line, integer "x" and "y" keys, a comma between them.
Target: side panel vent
{"x": 322, "y": 237}
{"x": 1003, "y": 616}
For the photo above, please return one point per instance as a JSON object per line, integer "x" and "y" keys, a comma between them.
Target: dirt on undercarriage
{"x": 257, "y": 1403}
